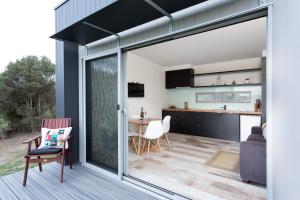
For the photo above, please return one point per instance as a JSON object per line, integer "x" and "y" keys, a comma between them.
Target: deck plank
{"x": 69, "y": 190}
{"x": 106, "y": 183}
{"x": 5, "y": 192}
{"x": 36, "y": 188}
{"x": 101, "y": 184}
{"x": 79, "y": 183}
{"x": 18, "y": 189}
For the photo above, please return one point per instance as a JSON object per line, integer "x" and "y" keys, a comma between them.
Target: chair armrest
{"x": 30, "y": 140}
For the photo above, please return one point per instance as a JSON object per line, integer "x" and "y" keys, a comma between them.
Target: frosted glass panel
{"x": 102, "y": 113}
{"x": 223, "y": 97}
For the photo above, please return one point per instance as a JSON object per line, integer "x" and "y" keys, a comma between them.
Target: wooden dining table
{"x": 141, "y": 123}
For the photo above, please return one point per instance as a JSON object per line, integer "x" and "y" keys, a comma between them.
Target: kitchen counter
{"x": 214, "y": 111}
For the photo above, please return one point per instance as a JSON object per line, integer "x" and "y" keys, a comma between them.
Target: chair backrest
{"x": 154, "y": 130}
{"x": 166, "y": 123}
{"x": 56, "y": 123}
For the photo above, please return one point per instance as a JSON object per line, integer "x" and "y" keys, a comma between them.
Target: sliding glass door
{"x": 102, "y": 112}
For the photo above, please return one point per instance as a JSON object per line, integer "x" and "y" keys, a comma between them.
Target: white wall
{"x": 177, "y": 97}
{"x": 285, "y": 109}
{"x": 153, "y": 77}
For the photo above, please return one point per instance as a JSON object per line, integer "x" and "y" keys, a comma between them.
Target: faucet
{"x": 224, "y": 107}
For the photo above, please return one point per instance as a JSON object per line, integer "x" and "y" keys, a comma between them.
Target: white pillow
{"x": 52, "y": 138}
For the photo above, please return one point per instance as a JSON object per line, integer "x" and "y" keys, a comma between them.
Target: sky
{"x": 26, "y": 26}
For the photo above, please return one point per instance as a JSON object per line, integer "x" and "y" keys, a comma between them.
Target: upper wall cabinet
{"x": 179, "y": 78}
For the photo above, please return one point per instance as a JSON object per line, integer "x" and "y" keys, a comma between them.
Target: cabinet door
{"x": 178, "y": 122}
{"x": 190, "y": 123}
{"x": 231, "y": 127}
{"x": 173, "y": 119}
{"x": 197, "y": 124}
{"x": 179, "y": 78}
{"x": 170, "y": 79}
{"x": 181, "y": 125}
{"x": 212, "y": 125}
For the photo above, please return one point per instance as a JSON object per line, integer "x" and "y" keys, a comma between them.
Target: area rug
{"x": 225, "y": 160}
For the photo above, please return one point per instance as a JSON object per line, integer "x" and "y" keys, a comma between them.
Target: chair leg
{"x": 158, "y": 145}
{"x": 143, "y": 145}
{"x": 70, "y": 158}
{"x": 40, "y": 164}
{"x": 26, "y": 171}
{"x": 62, "y": 168}
{"x": 148, "y": 149}
{"x": 166, "y": 135}
{"x": 134, "y": 144}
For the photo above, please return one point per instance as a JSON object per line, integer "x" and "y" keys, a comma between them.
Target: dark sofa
{"x": 253, "y": 157}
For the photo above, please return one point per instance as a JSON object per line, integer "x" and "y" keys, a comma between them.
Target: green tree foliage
{"x": 27, "y": 92}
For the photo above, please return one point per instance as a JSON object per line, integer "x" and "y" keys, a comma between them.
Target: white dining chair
{"x": 131, "y": 137}
{"x": 153, "y": 132}
{"x": 166, "y": 127}
{"x": 133, "y": 132}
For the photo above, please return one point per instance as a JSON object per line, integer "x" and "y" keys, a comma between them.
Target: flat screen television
{"x": 135, "y": 90}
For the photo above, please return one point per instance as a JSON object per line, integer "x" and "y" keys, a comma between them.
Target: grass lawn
{"x": 12, "y": 153}
{"x": 12, "y": 166}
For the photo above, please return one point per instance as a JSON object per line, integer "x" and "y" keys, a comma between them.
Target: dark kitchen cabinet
{"x": 205, "y": 124}
{"x": 230, "y": 126}
{"x": 198, "y": 125}
{"x": 212, "y": 123}
{"x": 179, "y": 78}
{"x": 180, "y": 122}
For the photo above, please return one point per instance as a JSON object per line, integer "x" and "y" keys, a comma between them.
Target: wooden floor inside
{"x": 182, "y": 168}
{"x": 80, "y": 183}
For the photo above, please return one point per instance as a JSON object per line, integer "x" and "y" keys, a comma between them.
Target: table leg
{"x": 139, "y": 145}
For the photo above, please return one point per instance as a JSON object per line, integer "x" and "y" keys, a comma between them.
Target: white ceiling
{"x": 240, "y": 41}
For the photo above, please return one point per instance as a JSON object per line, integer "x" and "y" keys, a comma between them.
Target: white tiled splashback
{"x": 177, "y": 97}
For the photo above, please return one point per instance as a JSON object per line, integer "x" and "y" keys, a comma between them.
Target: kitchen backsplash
{"x": 177, "y": 97}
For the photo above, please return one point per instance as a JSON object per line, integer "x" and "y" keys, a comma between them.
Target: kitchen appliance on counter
{"x": 257, "y": 105}
{"x": 186, "y": 105}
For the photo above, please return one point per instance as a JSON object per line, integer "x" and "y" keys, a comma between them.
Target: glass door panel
{"x": 102, "y": 112}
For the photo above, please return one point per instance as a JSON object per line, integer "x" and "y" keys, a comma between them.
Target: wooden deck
{"x": 79, "y": 183}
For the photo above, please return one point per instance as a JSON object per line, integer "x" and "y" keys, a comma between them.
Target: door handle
{"x": 119, "y": 109}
